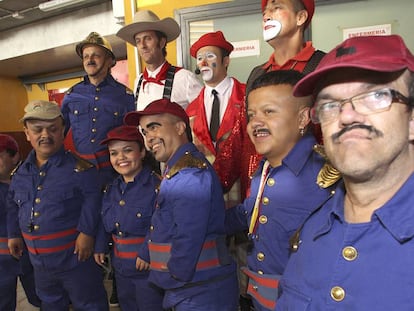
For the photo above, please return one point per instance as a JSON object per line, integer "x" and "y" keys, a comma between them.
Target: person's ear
{"x": 301, "y": 17}
{"x": 304, "y": 117}
{"x": 411, "y": 127}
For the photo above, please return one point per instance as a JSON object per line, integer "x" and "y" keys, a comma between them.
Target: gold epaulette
{"x": 81, "y": 164}
{"x": 13, "y": 172}
{"x": 328, "y": 175}
{"x": 129, "y": 91}
{"x": 186, "y": 161}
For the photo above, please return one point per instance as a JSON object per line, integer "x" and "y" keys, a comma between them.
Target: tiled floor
{"x": 23, "y": 305}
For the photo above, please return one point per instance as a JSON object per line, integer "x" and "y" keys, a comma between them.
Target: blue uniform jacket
{"x": 189, "y": 211}
{"x": 290, "y": 194}
{"x": 126, "y": 213}
{"x": 345, "y": 266}
{"x": 91, "y": 111}
{"x": 60, "y": 196}
{"x": 8, "y": 265}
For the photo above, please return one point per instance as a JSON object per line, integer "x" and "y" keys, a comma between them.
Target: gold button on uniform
{"x": 265, "y": 200}
{"x": 94, "y": 130}
{"x": 139, "y": 215}
{"x": 151, "y": 227}
{"x": 40, "y": 187}
{"x": 270, "y": 182}
{"x": 92, "y": 140}
{"x": 349, "y": 253}
{"x": 96, "y": 97}
{"x": 95, "y": 109}
{"x": 42, "y": 174}
{"x": 260, "y": 256}
{"x": 76, "y": 112}
{"x": 337, "y": 293}
{"x": 116, "y": 113}
{"x": 36, "y": 227}
{"x": 260, "y": 272}
{"x": 37, "y": 200}
{"x": 263, "y": 219}
{"x": 36, "y": 214}
{"x": 122, "y": 203}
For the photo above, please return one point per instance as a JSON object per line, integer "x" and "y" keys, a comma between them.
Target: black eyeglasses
{"x": 365, "y": 103}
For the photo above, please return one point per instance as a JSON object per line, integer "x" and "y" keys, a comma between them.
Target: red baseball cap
{"x": 124, "y": 132}
{"x": 375, "y": 53}
{"x": 8, "y": 142}
{"x": 211, "y": 39}
{"x": 159, "y": 106}
{"x": 308, "y": 4}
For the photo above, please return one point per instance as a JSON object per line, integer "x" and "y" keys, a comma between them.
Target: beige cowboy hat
{"x": 146, "y": 20}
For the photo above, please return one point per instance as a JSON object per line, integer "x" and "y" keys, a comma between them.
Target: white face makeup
{"x": 206, "y": 62}
{"x": 271, "y": 29}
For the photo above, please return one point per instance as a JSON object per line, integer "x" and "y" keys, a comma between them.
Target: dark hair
{"x": 161, "y": 35}
{"x": 276, "y": 77}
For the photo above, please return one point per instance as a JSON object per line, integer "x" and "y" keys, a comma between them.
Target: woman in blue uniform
{"x": 128, "y": 204}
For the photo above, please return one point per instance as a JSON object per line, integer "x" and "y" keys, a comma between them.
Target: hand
{"x": 16, "y": 247}
{"x": 99, "y": 258}
{"x": 84, "y": 246}
{"x": 141, "y": 265}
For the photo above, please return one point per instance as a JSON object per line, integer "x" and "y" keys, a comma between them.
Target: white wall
{"x": 329, "y": 20}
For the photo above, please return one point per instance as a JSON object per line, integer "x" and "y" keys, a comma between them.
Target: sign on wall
{"x": 375, "y": 30}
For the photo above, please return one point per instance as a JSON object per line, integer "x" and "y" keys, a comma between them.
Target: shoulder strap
{"x": 256, "y": 72}
{"x": 313, "y": 61}
{"x": 137, "y": 91}
{"x": 186, "y": 161}
{"x": 169, "y": 82}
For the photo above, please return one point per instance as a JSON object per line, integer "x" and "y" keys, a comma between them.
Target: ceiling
{"x": 44, "y": 62}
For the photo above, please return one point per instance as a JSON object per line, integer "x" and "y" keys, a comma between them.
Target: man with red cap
{"x": 186, "y": 245}
{"x": 356, "y": 251}
{"x": 284, "y": 23}
{"x": 11, "y": 268}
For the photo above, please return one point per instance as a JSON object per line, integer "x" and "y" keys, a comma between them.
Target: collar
{"x": 221, "y": 88}
{"x": 396, "y": 216}
{"x": 188, "y": 147}
{"x": 142, "y": 178}
{"x": 297, "y": 157}
{"x": 303, "y": 56}
{"x": 154, "y": 73}
{"x": 107, "y": 80}
{"x": 55, "y": 160}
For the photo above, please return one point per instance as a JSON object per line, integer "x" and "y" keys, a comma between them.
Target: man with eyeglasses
{"x": 355, "y": 252}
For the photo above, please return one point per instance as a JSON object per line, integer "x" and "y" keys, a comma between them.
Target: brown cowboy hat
{"x": 146, "y": 20}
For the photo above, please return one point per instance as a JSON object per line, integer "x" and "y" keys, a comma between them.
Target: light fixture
{"x": 57, "y": 4}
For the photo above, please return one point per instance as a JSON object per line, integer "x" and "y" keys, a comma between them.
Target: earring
{"x": 302, "y": 131}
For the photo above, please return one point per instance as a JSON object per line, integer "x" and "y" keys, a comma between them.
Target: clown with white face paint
{"x": 222, "y": 147}
{"x": 230, "y": 149}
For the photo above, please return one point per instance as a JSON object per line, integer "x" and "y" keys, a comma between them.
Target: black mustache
{"x": 370, "y": 129}
{"x": 46, "y": 140}
{"x": 92, "y": 63}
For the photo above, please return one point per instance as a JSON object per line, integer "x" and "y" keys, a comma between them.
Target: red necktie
{"x": 162, "y": 75}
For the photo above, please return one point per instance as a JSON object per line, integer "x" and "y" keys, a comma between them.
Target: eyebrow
{"x": 152, "y": 124}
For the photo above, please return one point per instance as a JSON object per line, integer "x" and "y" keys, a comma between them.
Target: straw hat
{"x": 147, "y": 20}
{"x": 96, "y": 39}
